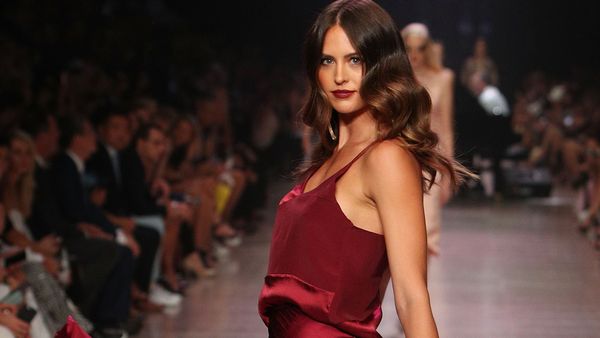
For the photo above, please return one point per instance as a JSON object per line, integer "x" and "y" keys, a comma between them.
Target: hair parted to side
{"x": 399, "y": 104}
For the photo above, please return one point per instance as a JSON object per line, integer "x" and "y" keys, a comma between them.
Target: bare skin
{"x": 382, "y": 192}
{"x": 440, "y": 85}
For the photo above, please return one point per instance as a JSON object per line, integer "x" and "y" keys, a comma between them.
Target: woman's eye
{"x": 355, "y": 60}
{"x": 326, "y": 61}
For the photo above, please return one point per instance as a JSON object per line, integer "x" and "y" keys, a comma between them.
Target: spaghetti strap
{"x": 333, "y": 291}
{"x": 345, "y": 168}
{"x": 336, "y": 175}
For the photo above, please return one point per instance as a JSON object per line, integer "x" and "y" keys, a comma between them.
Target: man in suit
{"x": 105, "y": 165}
{"x": 144, "y": 191}
{"x": 110, "y": 309}
{"x": 91, "y": 259}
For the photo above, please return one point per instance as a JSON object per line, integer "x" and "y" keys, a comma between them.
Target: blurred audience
{"x": 123, "y": 182}
{"x": 125, "y": 174}
{"x": 479, "y": 62}
{"x": 558, "y": 125}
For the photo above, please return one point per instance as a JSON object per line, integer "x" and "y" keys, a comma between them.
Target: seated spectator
{"x": 142, "y": 111}
{"x": 190, "y": 175}
{"x": 10, "y": 324}
{"x": 106, "y": 256}
{"x": 43, "y": 129}
{"x": 17, "y": 188}
{"x": 149, "y": 195}
{"x": 213, "y": 152}
{"x": 105, "y": 166}
{"x": 590, "y": 215}
{"x": 27, "y": 281}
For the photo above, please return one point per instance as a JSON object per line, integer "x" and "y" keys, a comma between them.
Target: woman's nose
{"x": 340, "y": 74}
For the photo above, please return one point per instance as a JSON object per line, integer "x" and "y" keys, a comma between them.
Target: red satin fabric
{"x": 324, "y": 273}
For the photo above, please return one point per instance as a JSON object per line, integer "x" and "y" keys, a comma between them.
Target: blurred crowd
{"x": 130, "y": 166}
{"x": 120, "y": 183}
{"x": 546, "y": 140}
{"x": 557, "y": 121}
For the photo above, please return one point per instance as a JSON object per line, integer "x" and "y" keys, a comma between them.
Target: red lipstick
{"x": 342, "y": 94}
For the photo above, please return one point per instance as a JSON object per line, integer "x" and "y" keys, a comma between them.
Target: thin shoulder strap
{"x": 347, "y": 166}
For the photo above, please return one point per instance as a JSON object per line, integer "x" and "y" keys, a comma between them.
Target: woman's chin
{"x": 348, "y": 108}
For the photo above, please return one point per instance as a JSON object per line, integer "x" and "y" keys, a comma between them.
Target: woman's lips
{"x": 342, "y": 94}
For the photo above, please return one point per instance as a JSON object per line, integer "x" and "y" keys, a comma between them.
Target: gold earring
{"x": 331, "y": 133}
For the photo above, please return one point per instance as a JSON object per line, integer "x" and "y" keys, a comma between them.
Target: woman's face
{"x": 341, "y": 71}
{"x": 415, "y": 48}
{"x": 21, "y": 157}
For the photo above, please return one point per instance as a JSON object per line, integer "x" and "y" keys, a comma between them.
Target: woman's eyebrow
{"x": 345, "y": 56}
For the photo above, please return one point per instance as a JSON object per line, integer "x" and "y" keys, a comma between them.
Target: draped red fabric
{"x": 71, "y": 330}
{"x": 324, "y": 273}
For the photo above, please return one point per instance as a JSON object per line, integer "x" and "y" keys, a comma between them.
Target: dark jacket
{"x": 45, "y": 216}
{"x": 100, "y": 166}
{"x": 137, "y": 192}
{"x": 73, "y": 200}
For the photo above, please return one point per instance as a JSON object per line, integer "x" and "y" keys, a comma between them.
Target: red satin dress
{"x": 324, "y": 273}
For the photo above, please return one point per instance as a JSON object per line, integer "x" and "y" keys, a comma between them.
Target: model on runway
{"x": 439, "y": 82}
{"x": 356, "y": 218}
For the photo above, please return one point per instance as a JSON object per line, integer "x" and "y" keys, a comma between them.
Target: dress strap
{"x": 347, "y": 166}
{"x": 337, "y": 174}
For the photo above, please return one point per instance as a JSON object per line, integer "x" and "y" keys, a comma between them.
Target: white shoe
{"x": 234, "y": 241}
{"x": 221, "y": 251}
{"x": 164, "y": 297}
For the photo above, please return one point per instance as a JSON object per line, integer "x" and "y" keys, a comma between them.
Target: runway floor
{"x": 510, "y": 269}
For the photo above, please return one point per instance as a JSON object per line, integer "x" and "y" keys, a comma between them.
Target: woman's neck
{"x": 356, "y": 128}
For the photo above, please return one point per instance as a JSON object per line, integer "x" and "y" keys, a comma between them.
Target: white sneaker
{"x": 164, "y": 297}
{"x": 221, "y": 251}
{"x": 234, "y": 241}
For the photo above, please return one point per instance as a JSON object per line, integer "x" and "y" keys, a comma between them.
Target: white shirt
{"x": 41, "y": 161}
{"x": 493, "y": 102}
{"x": 114, "y": 160}
{"x": 78, "y": 162}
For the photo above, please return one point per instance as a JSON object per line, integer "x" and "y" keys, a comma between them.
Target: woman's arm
{"x": 594, "y": 208}
{"x": 394, "y": 184}
{"x": 446, "y": 114}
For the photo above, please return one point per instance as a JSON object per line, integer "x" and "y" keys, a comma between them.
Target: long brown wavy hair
{"x": 399, "y": 104}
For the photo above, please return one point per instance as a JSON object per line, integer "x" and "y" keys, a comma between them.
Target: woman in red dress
{"x": 356, "y": 217}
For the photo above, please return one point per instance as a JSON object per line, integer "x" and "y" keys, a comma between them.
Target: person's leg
{"x": 555, "y": 139}
{"x": 571, "y": 152}
{"x": 92, "y": 262}
{"x": 238, "y": 187}
{"x": 149, "y": 240}
{"x": 170, "y": 241}
{"x": 112, "y": 307}
{"x": 500, "y": 131}
{"x": 200, "y": 261}
{"x": 204, "y": 189}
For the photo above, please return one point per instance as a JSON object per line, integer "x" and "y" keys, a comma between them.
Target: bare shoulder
{"x": 390, "y": 154}
{"x": 447, "y": 75}
{"x": 389, "y": 164}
